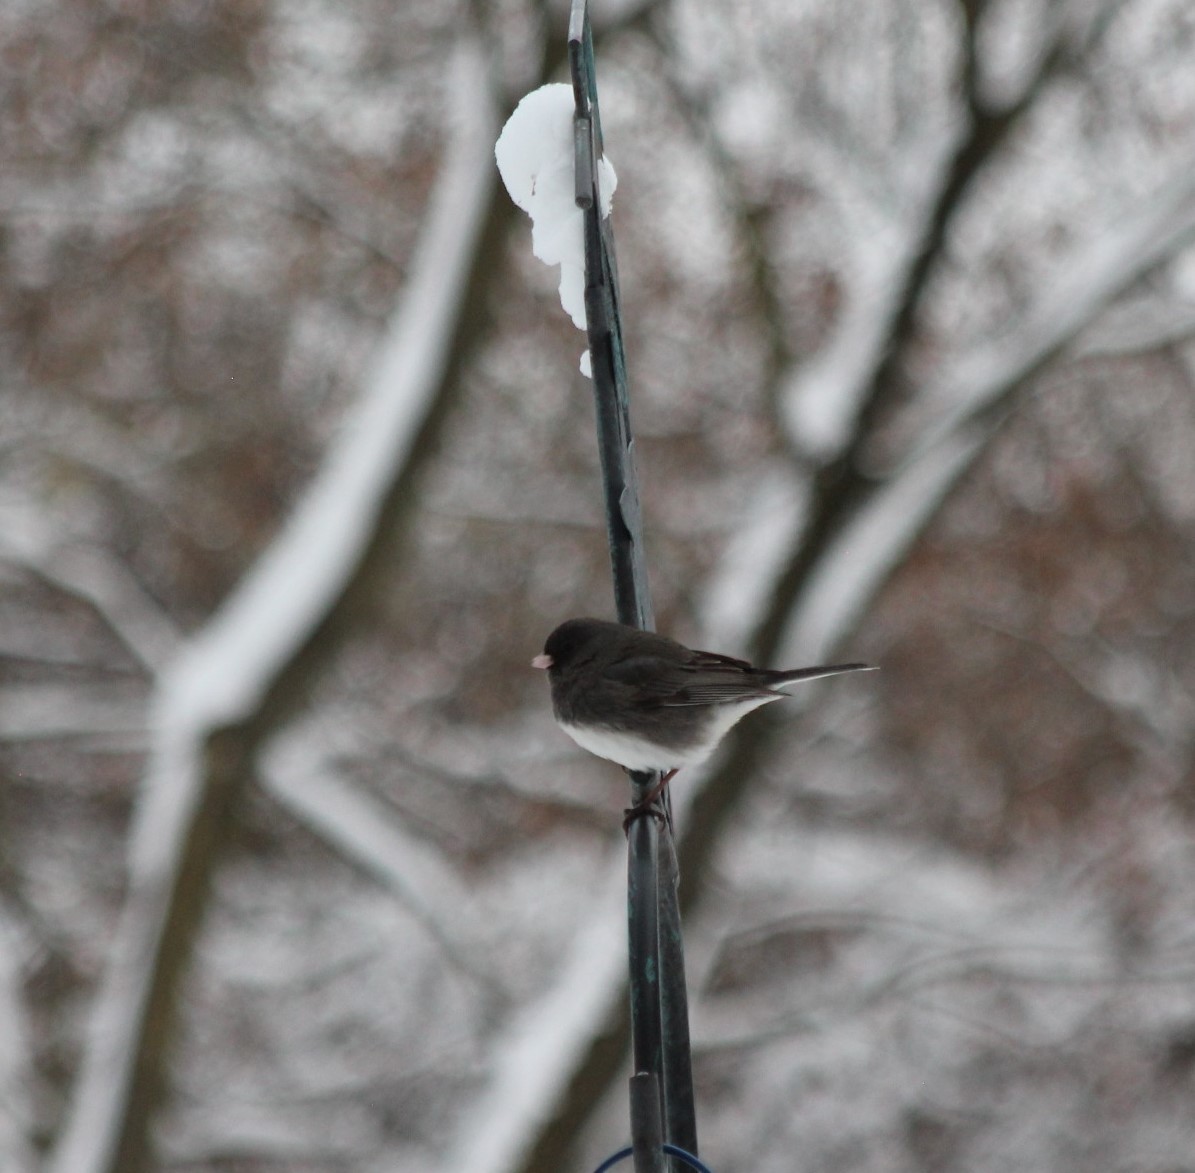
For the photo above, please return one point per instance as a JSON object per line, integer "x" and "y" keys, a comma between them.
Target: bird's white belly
{"x": 637, "y": 753}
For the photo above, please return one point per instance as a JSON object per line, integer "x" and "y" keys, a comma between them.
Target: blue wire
{"x": 610, "y": 1162}
{"x": 688, "y": 1158}
{"x": 670, "y": 1149}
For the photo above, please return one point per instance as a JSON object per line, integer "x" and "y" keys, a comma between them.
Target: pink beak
{"x": 543, "y": 660}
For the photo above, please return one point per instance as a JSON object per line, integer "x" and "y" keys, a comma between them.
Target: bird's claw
{"x": 642, "y": 810}
{"x": 648, "y": 805}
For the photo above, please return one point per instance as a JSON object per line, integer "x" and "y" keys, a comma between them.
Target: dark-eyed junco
{"x": 649, "y": 703}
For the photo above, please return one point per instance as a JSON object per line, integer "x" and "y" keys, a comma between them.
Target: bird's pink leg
{"x": 659, "y": 788}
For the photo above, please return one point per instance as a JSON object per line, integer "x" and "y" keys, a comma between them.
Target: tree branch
{"x": 234, "y": 679}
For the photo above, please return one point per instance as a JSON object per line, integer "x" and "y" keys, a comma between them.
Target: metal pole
{"x": 680, "y": 1111}
{"x": 659, "y": 1002}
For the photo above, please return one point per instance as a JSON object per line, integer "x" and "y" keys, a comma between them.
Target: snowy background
{"x": 297, "y": 470}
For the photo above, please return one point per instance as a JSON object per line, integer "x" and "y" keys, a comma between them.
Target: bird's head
{"x": 570, "y": 641}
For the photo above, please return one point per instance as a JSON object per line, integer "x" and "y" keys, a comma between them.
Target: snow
{"x": 974, "y": 385}
{"x": 92, "y": 574}
{"x": 1144, "y": 237}
{"x": 869, "y": 549}
{"x": 222, "y": 674}
{"x": 542, "y": 1045}
{"x": 295, "y": 770}
{"x": 228, "y": 666}
{"x": 754, "y": 559}
{"x": 329, "y": 1014}
{"x": 535, "y": 158}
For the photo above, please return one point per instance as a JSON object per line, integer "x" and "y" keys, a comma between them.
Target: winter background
{"x": 297, "y": 469}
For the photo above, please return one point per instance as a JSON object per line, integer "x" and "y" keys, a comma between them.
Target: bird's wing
{"x": 704, "y": 679}
{"x": 714, "y": 660}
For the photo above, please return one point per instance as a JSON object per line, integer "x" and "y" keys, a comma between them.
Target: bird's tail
{"x": 796, "y": 675}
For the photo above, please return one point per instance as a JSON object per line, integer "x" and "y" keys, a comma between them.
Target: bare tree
{"x": 298, "y": 471}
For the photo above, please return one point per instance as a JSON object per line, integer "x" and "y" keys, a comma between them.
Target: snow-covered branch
{"x": 292, "y": 770}
{"x": 223, "y": 674}
{"x": 92, "y": 574}
{"x": 979, "y": 385}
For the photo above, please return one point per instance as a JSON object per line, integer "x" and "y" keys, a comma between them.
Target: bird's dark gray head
{"x": 571, "y": 640}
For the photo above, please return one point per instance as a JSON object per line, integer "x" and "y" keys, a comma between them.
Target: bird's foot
{"x": 648, "y": 805}
{"x": 641, "y": 810}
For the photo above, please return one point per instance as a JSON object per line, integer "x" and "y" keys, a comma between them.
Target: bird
{"x": 649, "y": 703}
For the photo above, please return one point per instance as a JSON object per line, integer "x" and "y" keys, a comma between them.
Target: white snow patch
{"x": 535, "y": 158}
